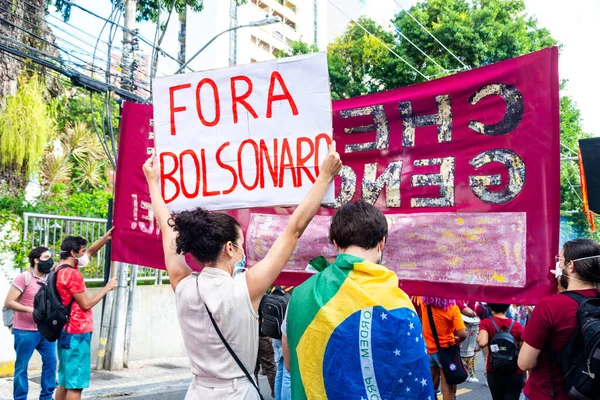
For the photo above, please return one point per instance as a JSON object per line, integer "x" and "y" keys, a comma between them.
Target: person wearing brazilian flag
{"x": 351, "y": 333}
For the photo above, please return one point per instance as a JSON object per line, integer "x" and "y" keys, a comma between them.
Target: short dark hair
{"x": 71, "y": 243}
{"x": 588, "y": 270}
{"x": 358, "y": 224}
{"x": 36, "y": 253}
{"x": 499, "y": 308}
{"x": 203, "y": 234}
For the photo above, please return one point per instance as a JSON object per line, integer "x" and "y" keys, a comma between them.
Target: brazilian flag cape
{"x": 353, "y": 334}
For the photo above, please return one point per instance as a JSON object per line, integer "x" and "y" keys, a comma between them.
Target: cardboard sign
{"x": 465, "y": 168}
{"x": 244, "y": 136}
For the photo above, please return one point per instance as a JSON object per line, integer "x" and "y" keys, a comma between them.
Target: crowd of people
{"x": 348, "y": 331}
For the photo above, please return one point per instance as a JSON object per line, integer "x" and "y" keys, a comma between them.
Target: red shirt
{"x": 552, "y": 323}
{"x": 503, "y": 323}
{"x": 69, "y": 282}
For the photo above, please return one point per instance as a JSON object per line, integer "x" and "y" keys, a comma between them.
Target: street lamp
{"x": 261, "y": 22}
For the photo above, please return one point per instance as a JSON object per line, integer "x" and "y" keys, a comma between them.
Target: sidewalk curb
{"x": 137, "y": 390}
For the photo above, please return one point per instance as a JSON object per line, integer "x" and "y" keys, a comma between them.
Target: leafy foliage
{"x": 147, "y": 10}
{"x": 297, "y": 47}
{"x": 25, "y": 126}
{"x": 479, "y": 32}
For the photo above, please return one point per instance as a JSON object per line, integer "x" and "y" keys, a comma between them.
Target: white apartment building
{"x": 300, "y": 19}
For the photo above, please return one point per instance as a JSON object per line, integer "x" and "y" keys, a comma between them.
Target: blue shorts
{"x": 74, "y": 363}
{"x": 434, "y": 361}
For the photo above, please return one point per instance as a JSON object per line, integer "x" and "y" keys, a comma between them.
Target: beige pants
{"x": 218, "y": 389}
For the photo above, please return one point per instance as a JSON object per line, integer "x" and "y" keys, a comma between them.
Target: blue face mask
{"x": 239, "y": 266}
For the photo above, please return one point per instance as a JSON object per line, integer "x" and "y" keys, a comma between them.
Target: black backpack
{"x": 272, "y": 312}
{"x": 487, "y": 311}
{"x": 579, "y": 360}
{"x": 49, "y": 313}
{"x": 504, "y": 351}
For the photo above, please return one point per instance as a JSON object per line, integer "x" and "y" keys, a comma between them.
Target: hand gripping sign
{"x": 245, "y": 136}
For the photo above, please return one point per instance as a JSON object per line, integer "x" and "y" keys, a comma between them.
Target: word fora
{"x": 271, "y": 158}
{"x": 236, "y": 99}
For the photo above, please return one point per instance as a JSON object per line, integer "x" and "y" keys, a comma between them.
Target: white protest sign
{"x": 244, "y": 136}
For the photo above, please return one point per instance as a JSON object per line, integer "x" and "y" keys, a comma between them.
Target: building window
{"x": 291, "y": 6}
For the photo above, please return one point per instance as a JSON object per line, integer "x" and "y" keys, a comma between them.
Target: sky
{"x": 573, "y": 26}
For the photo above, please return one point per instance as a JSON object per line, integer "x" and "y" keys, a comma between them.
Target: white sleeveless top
{"x": 228, "y": 300}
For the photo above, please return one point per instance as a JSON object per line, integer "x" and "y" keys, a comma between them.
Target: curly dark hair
{"x": 36, "y": 253}
{"x": 358, "y": 224}
{"x": 588, "y": 270}
{"x": 203, "y": 234}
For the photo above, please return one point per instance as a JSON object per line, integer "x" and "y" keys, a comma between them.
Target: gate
{"x": 50, "y": 230}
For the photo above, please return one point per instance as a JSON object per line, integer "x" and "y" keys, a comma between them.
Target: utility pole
{"x": 130, "y": 45}
{"x": 182, "y": 35}
{"x": 116, "y": 339}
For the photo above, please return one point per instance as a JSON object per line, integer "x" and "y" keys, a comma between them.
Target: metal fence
{"x": 50, "y": 230}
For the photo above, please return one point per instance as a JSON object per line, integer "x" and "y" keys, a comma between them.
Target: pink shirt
{"x": 22, "y": 320}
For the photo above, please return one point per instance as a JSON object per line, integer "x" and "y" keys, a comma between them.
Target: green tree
{"x": 147, "y": 10}
{"x": 25, "y": 128}
{"x": 297, "y": 47}
{"x": 478, "y": 32}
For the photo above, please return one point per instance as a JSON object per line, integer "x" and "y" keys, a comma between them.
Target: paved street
{"x": 467, "y": 391}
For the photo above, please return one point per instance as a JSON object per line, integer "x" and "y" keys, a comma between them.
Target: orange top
{"x": 446, "y": 322}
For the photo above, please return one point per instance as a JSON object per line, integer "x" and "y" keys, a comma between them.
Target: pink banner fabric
{"x": 466, "y": 168}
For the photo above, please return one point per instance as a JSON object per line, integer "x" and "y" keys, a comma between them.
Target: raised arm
{"x": 177, "y": 267}
{"x": 262, "y": 275}
{"x": 100, "y": 243}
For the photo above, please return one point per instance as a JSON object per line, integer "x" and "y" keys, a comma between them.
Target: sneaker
{"x": 486, "y": 383}
{"x": 472, "y": 379}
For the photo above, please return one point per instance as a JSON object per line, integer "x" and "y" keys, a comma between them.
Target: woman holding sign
{"x": 217, "y": 308}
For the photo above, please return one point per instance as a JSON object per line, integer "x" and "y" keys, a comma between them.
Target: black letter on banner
{"x": 516, "y": 176}
{"x": 381, "y": 127}
{"x": 443, "y": 120}
{"x": 390, "y": 177}
{"x": 348, "y": 188}
{"x": 515, "y": 107}
{"x": 445, "y": 180}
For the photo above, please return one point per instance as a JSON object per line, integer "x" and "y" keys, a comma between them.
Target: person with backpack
{"x": 74, "y": 342}
{"x": 562, "y": 337}
{"x": 272, "y": 311}
{"x": 19, "y": 304}
{"x": 444, "y": 330}
{"x": 217, "y": 308}
{"x": 502, "y": 337}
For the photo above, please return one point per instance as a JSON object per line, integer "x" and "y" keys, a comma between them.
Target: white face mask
{"x": 83, "y": 260}
{"x": 558, "y": 271}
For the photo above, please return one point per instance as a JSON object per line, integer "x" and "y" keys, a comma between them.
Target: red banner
{"x": 466, "y": 168}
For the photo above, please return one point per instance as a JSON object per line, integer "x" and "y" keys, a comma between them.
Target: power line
{"x": 142, "y": 38}
{"x": 421, "y": 51}
{"x": 431, "y": 34}
{"x": 380, "y": 42}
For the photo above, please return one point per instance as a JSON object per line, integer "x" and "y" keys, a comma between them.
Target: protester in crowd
{"x": 450, "y": 329}
{"x": 554, "y": 320}
{"x": 220, "y": 304}
{"x": 283, "y": 381}
{"x": 469, "y": 346}
{"x": 266, "y": 360}
{"x": 74, "y": 344}
{"x": 354, "y": 298}
{"x": 518, "y": 313}
{"x": 27, "y": 338}
{"x": 504, "y": 384}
